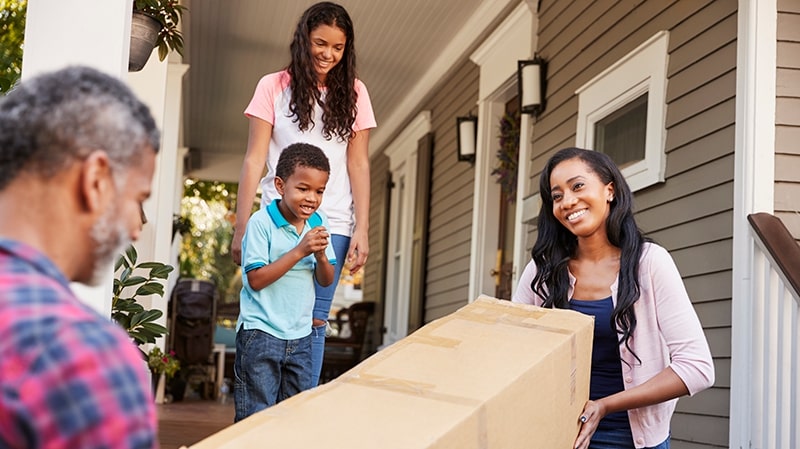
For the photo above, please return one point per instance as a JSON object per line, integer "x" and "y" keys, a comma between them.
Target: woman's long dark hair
{"x": 555, "y": 245}
{"x": 339, "y": 106}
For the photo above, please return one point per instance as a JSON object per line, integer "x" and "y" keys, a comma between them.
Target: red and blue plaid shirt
{"x": 69, "y": 378}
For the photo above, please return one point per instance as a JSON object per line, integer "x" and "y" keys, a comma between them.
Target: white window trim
{"x": 642, "y": 70}
{"x": 402, "y": 154}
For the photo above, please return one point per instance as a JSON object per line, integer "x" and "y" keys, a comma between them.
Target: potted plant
{"x": 162, "y": 364}
{"x": 154, "y": 24}
{"x": 125, "y": 310}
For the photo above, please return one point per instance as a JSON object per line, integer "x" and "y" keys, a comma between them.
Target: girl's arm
{"x": 252, "y": 169}
{"x": 358, "y": 171}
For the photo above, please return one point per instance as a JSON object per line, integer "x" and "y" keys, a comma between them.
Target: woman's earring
{"x": 611, "y": 200}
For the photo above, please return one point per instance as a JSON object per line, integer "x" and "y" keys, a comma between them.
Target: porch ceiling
{"x": 231, "y": 44}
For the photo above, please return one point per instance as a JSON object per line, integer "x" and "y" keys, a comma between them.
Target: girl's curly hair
{"x": 339, "y": 102}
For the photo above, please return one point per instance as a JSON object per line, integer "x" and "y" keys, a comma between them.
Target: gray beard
{"x": 107, "y": 234}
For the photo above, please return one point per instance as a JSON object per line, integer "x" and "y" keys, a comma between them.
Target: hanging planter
{"x": 505, "y": 172}
{"x": 154, "y": 24}
{"x": 144, "y": 34}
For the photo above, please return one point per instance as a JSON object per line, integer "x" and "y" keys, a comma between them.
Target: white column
{"x": 159, "y": 84}
{"x": 59, "y": 33}
{"x": 95, "y": 33}
{"x": 753, "y": 189}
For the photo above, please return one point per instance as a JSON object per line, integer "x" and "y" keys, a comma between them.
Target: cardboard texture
{"x": 491, "y": 375}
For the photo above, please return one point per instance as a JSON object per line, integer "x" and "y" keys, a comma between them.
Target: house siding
{"x": 374, "y": 284}
{"x": 690, "y": 214}
{"x": 787, "y": 116}
{"x": 450, "y": 226}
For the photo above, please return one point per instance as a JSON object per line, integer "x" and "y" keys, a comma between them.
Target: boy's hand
{"x": 315, "y": 241}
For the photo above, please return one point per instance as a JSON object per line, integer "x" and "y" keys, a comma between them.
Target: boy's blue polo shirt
{"x": 283, "y": 308}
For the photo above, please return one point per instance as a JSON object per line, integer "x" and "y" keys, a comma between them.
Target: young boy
{"x": 285, "y": 246}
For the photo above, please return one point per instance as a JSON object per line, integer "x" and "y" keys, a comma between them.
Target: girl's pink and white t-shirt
{"x": 270, "y": 103}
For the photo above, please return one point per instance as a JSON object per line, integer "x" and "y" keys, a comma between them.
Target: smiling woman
{"x": 590, "y": 256}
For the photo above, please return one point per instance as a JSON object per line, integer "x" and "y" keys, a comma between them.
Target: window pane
{"x": 622, "y": 133}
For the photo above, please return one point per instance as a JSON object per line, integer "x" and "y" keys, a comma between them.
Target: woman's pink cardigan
{"x": 668, "y": 334}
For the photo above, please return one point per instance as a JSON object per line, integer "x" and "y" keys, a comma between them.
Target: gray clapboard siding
{"x": 698, "y": 152}
{"x": 686, "y": 183}
{"x": 700, "y": 204}
{"x": 707, "y": 287}
{"x": 374, "y": 284}
{"x": 691, "y": 212}
{"x": 714, "y": 313}
{"x": 447, "y": 280}
{"x": 685, "y": 426}
{"x": 714, "y": 227}
{"x": 787, "y": 117}
{"x": 712, "y": 402}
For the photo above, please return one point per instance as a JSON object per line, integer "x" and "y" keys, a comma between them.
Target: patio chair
{"x": 346, "y": 350}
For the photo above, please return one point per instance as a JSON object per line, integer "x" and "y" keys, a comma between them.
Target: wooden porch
{"x": 187, "y": 422}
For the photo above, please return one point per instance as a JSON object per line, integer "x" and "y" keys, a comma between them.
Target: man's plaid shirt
{"x": 69, "y": 378}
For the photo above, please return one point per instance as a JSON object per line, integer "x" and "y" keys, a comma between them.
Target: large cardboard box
{"x": 491, "y": 375}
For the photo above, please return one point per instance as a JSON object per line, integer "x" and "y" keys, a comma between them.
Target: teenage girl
{"x": 317, "y": 99}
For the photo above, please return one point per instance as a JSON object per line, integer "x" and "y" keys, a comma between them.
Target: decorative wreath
{"x": 505, "y": 171}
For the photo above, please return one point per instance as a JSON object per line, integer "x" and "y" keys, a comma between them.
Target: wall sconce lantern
{"x": 531, "y": 83}
{"x": 466, "y": 130}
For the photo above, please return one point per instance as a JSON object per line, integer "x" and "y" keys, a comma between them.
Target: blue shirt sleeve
{"x": 255, "y": 243}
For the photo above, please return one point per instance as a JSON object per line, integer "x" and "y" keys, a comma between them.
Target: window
{"x": 621, "y": 112}
{"x": 622, "y": 134}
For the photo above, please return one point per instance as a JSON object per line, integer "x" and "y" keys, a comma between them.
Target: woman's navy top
{"x": 606, "y": 376}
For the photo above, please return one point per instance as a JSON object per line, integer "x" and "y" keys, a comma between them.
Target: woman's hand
{"x": 593, "y": 412}
{"x": 358, "y": 251}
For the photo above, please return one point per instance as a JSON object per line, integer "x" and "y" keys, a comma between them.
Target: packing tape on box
{"x": 403, "y": 386}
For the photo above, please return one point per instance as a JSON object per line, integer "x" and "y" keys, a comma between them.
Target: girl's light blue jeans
{"x": 322, "y": 306}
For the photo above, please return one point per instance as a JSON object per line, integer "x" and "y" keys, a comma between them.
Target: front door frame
{"x": 497, "y": 57}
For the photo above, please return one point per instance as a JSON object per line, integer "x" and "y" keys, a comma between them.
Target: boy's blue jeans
{"x": 268, "y": 370}
{"x": 322, "y": 306}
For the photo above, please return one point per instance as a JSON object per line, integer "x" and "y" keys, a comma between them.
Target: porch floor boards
{"x": 186, "y": 422}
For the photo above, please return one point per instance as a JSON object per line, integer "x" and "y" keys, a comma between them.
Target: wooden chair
{"x": 344, "y": 352}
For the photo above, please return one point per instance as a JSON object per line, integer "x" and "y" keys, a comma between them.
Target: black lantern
{"x": 531, "y": 80}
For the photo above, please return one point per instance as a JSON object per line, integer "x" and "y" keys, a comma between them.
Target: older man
{"x": 77, "y": 155}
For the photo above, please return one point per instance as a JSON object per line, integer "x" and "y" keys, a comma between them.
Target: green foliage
{"x": 205, "y": 251}
{"x": 158, "y": 362}
{"x": 132, "y": 316}
{"x": 12, "y": 34}
{"x": 169, "y": 14}
{"x": 505, "y": 171}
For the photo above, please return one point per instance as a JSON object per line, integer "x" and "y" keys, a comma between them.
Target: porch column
{"x": 159, "y": 84}
{"x": 753, "y": 186}
{"x": 95, "y": 33}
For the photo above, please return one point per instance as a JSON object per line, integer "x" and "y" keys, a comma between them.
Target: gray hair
{"x": 54, "y": 119}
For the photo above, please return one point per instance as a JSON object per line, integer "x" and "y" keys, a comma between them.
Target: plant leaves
{"x": 134, "y": 280}
{"x": 131, "y": 254}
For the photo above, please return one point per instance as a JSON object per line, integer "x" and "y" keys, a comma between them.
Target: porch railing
{"x": 774, "y": 420}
